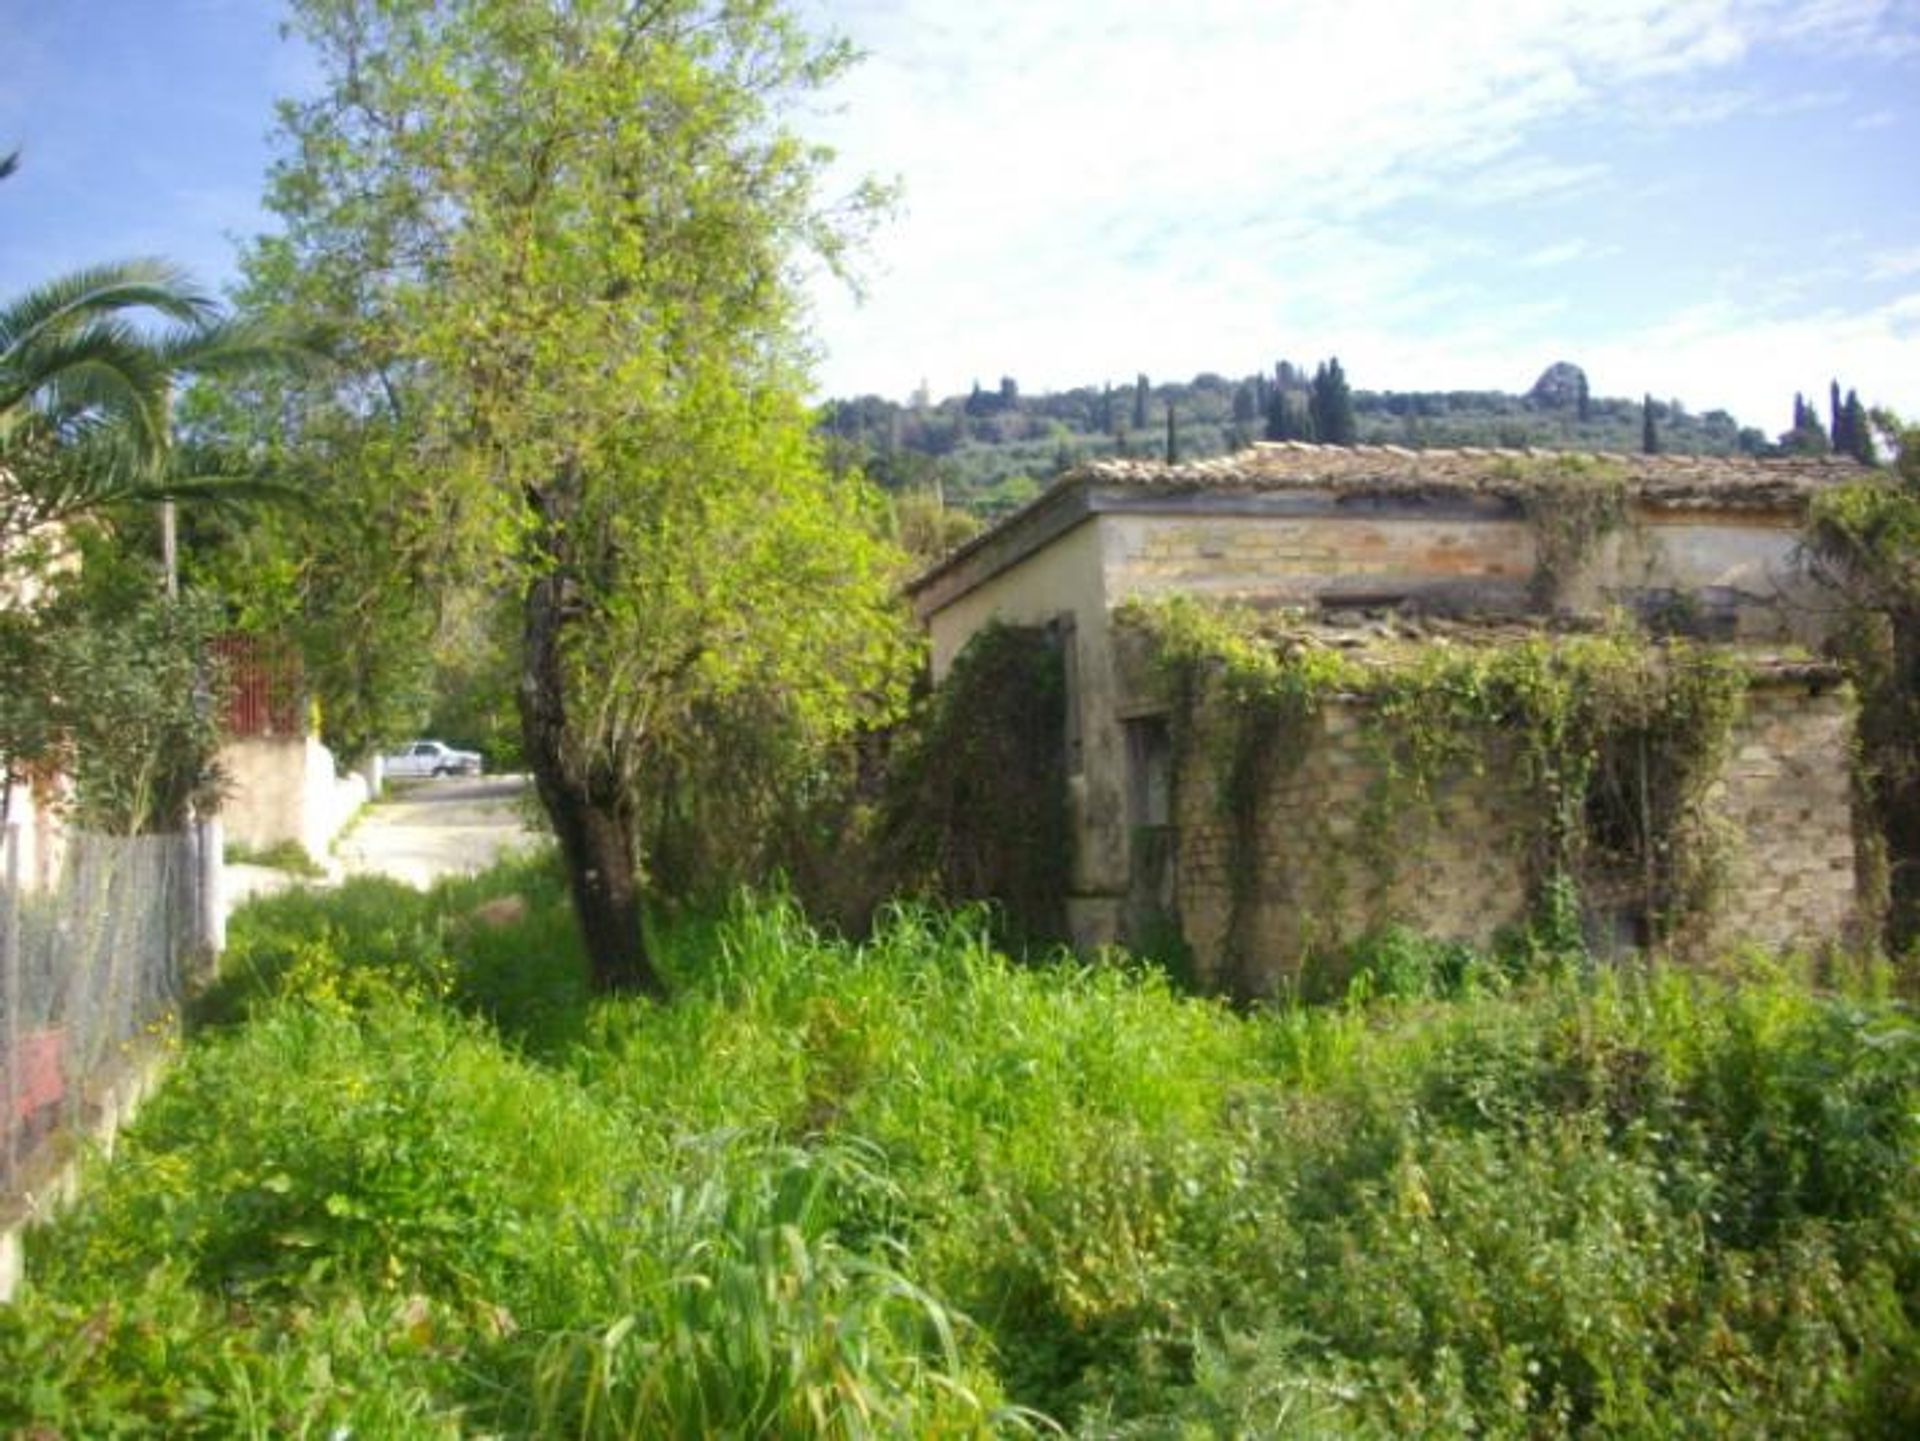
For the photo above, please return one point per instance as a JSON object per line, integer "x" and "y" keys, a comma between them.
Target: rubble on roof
{"x": 1735, "y": 482}
{"x": 1389, "y": 635}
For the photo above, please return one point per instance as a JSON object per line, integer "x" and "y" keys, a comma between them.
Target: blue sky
{"x": 1705, "y": 199}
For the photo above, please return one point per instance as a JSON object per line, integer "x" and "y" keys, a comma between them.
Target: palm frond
{"x": 103, "y": 471}
{"x": 80, "y": 296}
{"x": 238, "y": 343}
{"x": 101, "y": 369}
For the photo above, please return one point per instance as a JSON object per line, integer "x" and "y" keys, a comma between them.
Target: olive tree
{"x": 565, "y": 238}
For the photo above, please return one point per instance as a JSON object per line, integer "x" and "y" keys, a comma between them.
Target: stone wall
{"x": 1785, "y": 803}
{"x": 1323, "y": 869}
{"x": 1320, "y": 872}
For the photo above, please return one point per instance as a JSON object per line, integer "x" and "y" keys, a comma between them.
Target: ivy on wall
{"x": 1610, "y": 740}
{"x": 1571, "y": 504}
{"x": 977, "y": 801}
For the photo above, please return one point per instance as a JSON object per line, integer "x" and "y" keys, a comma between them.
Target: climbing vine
{"x": 1864, "y": 540}
{"x": 1610, "y": 739}
{"x": 1571, "y": 504}
{"x": 976, "y": 803}
{"x": 1270, "y": 697}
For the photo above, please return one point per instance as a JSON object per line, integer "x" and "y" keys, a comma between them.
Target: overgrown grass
{"x": 288, "y": 856}
{"x": 409, "y": 1178}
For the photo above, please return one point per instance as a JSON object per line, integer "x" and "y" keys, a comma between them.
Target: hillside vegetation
{"x": 994, "y": 449}
{"x": 409, "y": 1179}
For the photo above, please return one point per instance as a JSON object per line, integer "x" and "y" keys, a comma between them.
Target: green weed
{"x": 413, "y": 1178}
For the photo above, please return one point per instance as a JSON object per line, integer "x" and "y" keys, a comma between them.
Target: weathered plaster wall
{"x": 1782, "y": 807}
{"x": 284, "y": 788}
{"x": 35, "y": 843}
{"x": 1743, "y": 564}
{"x": 1063, "y": 579}
{"x": 1300, "y": 559}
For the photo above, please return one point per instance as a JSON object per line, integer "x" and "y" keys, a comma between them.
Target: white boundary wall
{"x": 286, "y": 788}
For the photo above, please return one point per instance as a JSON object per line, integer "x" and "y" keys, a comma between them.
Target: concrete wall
{"x": 35, "y": 835}
{"x": 1781, "y": 811}
{"x": 284, "y": 788}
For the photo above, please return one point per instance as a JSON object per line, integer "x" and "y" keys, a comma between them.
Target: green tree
{"x": 1289, "y": 415}
{"x": 1140, "y": 402}
{"x": 1808, "y": 436}
{"x": 1859, "y": 431}
{"x": 108, "y": 683}
{"x": 85, "y": 391}
{"x": 1865, "y": 540}
{"x": 105, "y": 680}
{"x": 570, "y": 232}
{"x": 1649, "y": 427}
{"x": 1331, "y": 406}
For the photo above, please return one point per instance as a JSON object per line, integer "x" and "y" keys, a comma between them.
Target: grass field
{"x": 406, "y": 1179}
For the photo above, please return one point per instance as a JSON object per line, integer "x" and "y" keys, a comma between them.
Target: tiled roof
{"x": 1682, "y": 480}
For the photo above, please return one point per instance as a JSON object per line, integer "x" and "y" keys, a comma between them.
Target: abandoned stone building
{"x": 1376, "y": 556}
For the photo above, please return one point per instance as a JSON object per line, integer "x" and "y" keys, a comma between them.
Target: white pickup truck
{"x": 430, "y": 758}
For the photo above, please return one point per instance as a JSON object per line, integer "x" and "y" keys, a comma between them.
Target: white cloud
{"x": 1565, "y": 252}
{"x": 1751, "y": 364}
{"x": 1893, "y": 264}
{"x": 1097, "y": 188}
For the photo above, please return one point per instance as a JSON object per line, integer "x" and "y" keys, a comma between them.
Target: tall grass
{"x": 410, "y": 1175}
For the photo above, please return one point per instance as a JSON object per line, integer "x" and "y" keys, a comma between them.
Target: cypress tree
{"x": 1330, "y": 406}
{"x": 1860, "y": 431}
{"x": 1649, "y": 432}
{"x": 1140, "y": 402}
{"x": 1808, "y": 436}
{"x": 1837, "y": 419}
{"x": 1173, "y": 437}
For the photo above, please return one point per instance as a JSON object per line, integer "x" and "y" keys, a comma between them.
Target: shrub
{"x": 907, "y": 1186}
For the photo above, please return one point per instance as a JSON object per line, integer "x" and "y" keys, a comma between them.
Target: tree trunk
{"x": 591, "y": 815}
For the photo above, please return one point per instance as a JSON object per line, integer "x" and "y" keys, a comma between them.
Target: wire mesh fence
{"x": 88, "y": 963}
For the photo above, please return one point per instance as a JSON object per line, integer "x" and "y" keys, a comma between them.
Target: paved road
{"x": 417, "y": 833}
{"x": 421, "y": 831}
